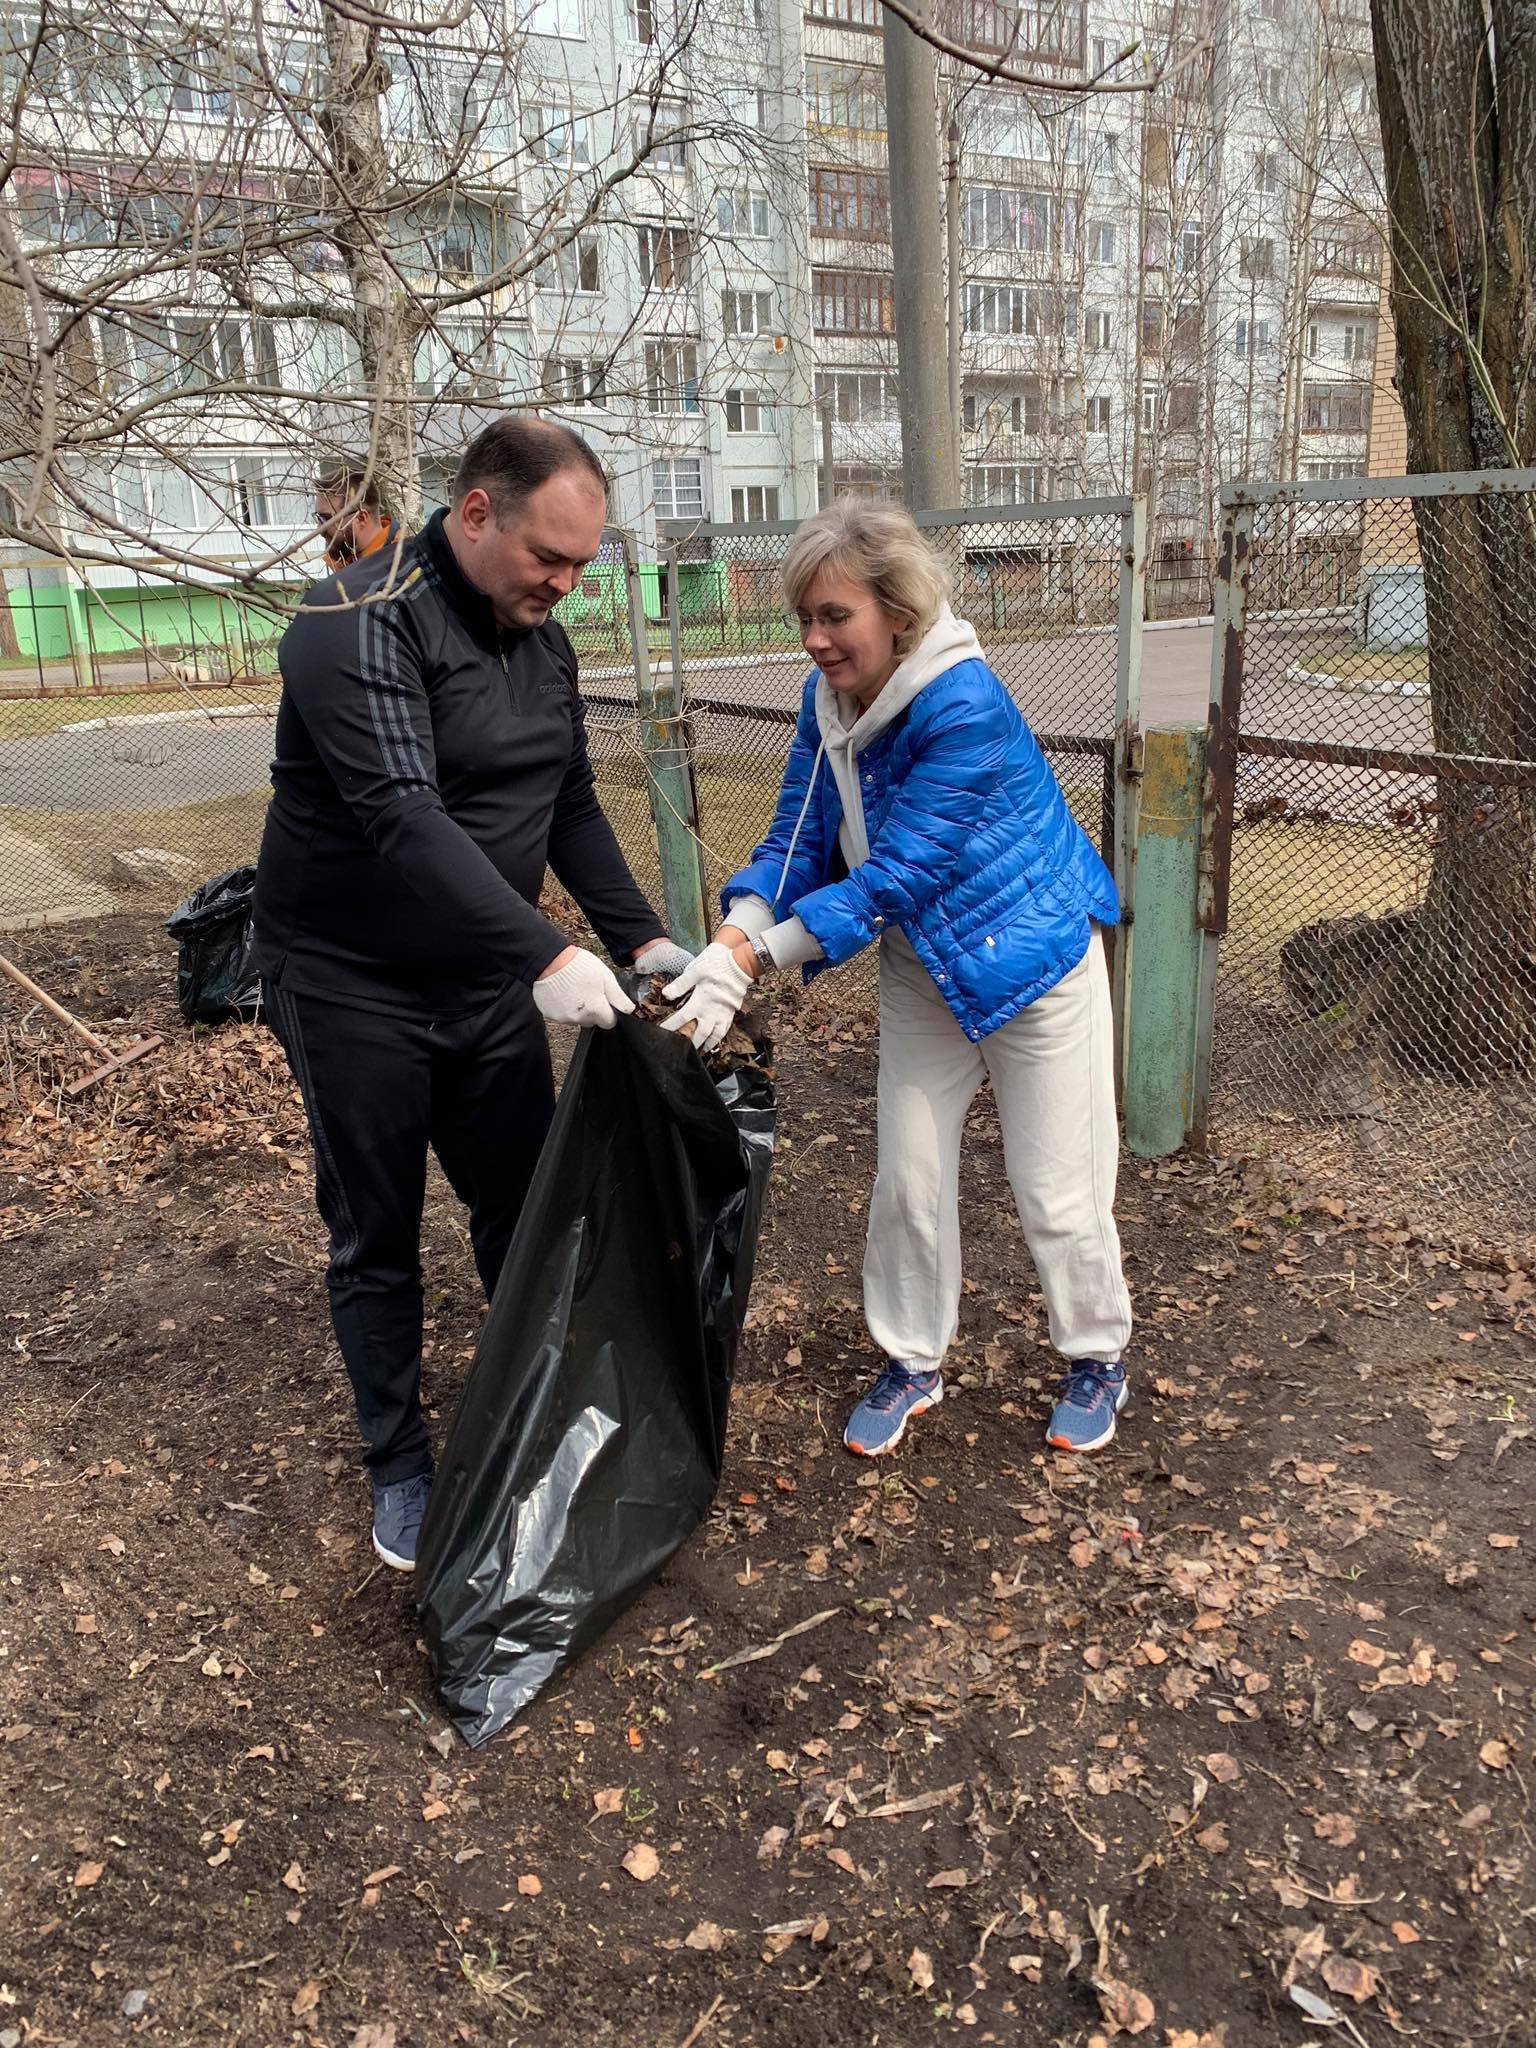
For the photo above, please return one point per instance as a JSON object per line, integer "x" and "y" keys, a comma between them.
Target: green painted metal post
{"x": 1132, "y": 605}
{"x": 668, "y": 773}
{"x": 1165, "y": 989}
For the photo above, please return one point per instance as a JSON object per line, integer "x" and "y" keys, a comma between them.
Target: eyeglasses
{"x": 831, "y": 618}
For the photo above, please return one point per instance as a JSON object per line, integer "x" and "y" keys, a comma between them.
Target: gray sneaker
{"x": 397, "y": 1513}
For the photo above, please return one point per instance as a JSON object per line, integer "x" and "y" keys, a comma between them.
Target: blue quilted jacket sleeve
{"x": 956, "y": 750}
{"x": 764, "y": 874}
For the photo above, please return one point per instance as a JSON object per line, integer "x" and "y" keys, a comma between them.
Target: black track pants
{"x": 379, "y": 1090}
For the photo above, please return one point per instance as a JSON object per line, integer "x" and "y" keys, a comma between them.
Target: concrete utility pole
{"x": 930, "y": 434}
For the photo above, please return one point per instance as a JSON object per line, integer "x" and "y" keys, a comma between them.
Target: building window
{"x": 642, "y": 21}
{"x": 1101, "y": 241}
{"x": 749, "y": 108}
{"x": 743, "y": 215}
{"x": 1098, "y": 415}
{"x": 1013, "y": 310}
{"x": 574, "y": 380}
{"x": 1346, "y": 254}
{"x": 666, "y": 257}
{"x": 1191, "y": 241}
{"x": 577, "y": 267}
{"x": 1183, "y": 408}
{"x": 1257, "y": 259}
{"x": 748, "y": 412}
{"x": 851, "y": 13}
{"x": 1252, "y": 338}
{"x": 853, "y": 203}
{"x": 1005, "y": 125}
{"x": 553, "y": 136}
{"x": 754, "y": 504}
{"x": 845, "y": 96}
{"x": 993, "y": 412}
{"x": 554, "y": 18}
{"x": 1266, "y": 171}
{"x": 677, "y": 487}
{"x": 1154, "y": 324}
{"x": 853, "y": 302}
{"x": 1359, "y": 342}
{"x": 1002, "y": 218}
{"x": 668, "y": 144}
{"x": 1004, "y": 484}
{"x": 1333, "y": 409}
{"x": 1329, "y": 472}
{"x": 747, "y": 312}
{"x": 671, "y": 376}
{"x": 1097, "y": 330}
{"x": 855, "y": 397}
{"x": 456, "y": 358}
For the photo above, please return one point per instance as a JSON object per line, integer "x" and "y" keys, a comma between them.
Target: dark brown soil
{"x": 1240, "y": 1708}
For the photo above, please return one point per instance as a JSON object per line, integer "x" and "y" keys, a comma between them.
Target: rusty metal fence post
{"x": 1218, "y": 799}
{"x": 668, "y": 771}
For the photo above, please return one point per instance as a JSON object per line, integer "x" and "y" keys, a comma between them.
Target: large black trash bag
{"x": 215, "y": 977}
{"x": 587, "y": 1444}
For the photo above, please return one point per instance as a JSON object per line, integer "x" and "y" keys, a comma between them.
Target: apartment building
{"x": 1156, "y": 290}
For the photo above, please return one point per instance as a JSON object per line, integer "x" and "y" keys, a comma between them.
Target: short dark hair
{"x": 515, "y": 454}
{"x": 352, "y": 484}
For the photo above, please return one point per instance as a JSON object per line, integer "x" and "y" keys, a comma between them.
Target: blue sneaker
{"x": 879, "y": 1422}
{"x": 397, "y": 1513}
{"x": 1092, "y": 1395}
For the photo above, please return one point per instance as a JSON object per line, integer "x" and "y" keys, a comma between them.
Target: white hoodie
{"x": 844, "y": 735}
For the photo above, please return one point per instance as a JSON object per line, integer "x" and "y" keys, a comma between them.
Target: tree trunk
{"x": 1458, "y": 114}
{"x": 388, "y": 319}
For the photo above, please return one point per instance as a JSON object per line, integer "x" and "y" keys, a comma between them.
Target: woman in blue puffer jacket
{"x": 918, "y": 812}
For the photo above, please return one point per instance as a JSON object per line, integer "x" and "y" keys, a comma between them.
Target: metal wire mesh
{"x": 1376, "y": 1002}
{"x": 135, "y": 741}
{"x": 1042, "y": 590}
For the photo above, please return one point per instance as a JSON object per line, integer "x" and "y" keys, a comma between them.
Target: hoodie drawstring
{"x": 810, "y": 790}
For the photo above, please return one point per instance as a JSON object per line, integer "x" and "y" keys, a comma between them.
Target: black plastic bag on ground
{"x": 587, "y": 1444}
{"x": 215, "y": 977}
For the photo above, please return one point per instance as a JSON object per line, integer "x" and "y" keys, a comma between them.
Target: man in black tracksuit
{"x": 431, "y": 758}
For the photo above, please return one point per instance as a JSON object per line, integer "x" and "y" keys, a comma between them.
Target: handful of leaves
{"x": 746, "y": 1044}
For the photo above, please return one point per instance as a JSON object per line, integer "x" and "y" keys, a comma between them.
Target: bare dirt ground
{"x": 1220, "y": 1740}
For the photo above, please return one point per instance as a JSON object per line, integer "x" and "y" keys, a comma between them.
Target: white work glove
{"x": 662, "y": 956}
{"x": 581, "y": 990}
{"x": 716, "y": 988}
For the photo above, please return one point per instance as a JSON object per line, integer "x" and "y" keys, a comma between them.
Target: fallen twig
{"x": 920, "y": 1802}
{"x": 702, "y": 2021}
{"x": 760, "y": 1650}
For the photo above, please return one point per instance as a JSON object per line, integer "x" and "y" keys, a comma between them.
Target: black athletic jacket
{"x": 428, "y": 765}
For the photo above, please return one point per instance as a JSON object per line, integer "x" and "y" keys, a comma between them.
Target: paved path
{"x": 1065, "y": 685}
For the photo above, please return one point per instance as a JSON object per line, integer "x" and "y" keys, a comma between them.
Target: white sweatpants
{"x": 1052, "y": 1073}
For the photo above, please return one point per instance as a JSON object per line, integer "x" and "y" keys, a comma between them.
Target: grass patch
{"x": 1352, "y": 663}
{"x": 1286, "y": 876}
{"x": 24, "y": 718}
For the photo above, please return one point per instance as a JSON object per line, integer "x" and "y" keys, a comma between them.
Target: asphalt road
{"x": 1065, "y": 685}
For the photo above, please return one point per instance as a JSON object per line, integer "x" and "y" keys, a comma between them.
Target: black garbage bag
{"x": 215, "y": 977}
{"x": 587, "y": 1445}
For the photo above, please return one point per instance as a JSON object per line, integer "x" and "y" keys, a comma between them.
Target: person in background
{"x": 431, "y": 758}
{"x": 349, "y": 511}
{"x": 918, "y": 814}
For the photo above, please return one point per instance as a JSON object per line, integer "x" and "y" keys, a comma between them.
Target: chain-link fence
{"x": 1053, "y": 591}
{"x": 1376, "y": 1002}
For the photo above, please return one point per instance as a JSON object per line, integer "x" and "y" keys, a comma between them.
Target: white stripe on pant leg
{"x": 928, "y": 1073}
{"x": 1052, "y": 1073}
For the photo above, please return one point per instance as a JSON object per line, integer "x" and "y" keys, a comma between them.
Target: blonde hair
{"x": 878, "y": 546}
